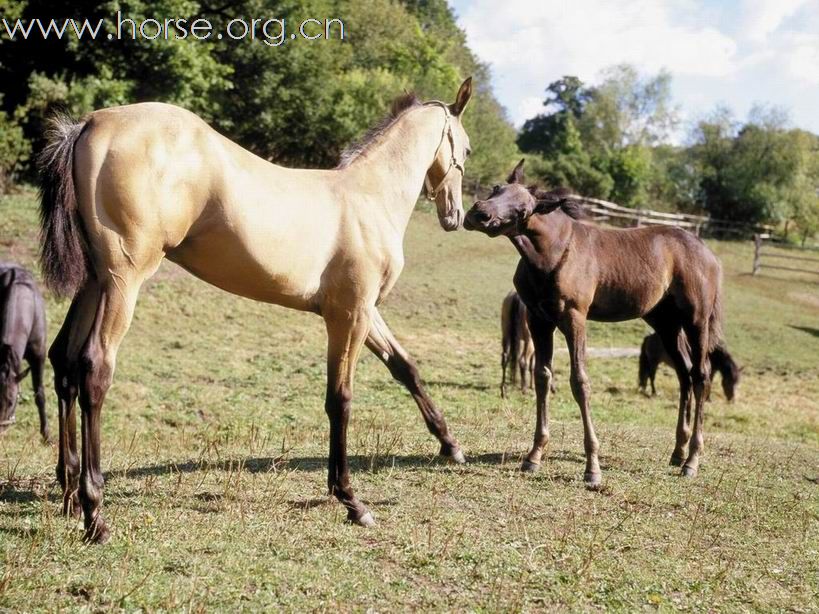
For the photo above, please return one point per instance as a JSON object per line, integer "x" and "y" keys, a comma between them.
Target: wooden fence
{"x": 796, "y": 256}
{"x": 610, "y": 213}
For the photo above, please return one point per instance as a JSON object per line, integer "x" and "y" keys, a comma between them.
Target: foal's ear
{"x": 517, "y": 175}
{"x": 464, "y": 94}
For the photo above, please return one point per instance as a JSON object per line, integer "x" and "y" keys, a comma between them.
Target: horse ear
{"x": 464, "y": 94}
{"x": 517, "y": 175}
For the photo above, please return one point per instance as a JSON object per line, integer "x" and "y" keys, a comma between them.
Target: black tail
{"x": 63, "y": 253}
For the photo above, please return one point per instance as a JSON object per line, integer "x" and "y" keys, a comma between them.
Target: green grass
{"x": 214, "y": 444}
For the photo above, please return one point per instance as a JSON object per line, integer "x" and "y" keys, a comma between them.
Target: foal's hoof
{"x": 364, "y": 520}
{"x": 688, "y": 472}
{"x": 455, "y": 454}
{"x": 676, "y": 461}
{"x": 528, "y": 466}
{"x": 593, "y": 481}
{"x": 97, "y": 533}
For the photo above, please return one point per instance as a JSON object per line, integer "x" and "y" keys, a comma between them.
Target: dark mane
{"x": 570, "y": 202}
{"x": 400, "y": 105}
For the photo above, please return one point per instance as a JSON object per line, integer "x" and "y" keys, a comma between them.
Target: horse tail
{"x": 63, "y": 249}
{"x": 715, "y": 320}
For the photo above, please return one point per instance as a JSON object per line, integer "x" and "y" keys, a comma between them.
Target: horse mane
{"x": 402, "y": 104}
{"x": 569, "y": 203}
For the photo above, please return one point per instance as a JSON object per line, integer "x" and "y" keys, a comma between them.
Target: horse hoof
{"x": 688, "y": 472}
{"x": 593, "y": 481}
{"x": 676, "y": 461}
{"x": 97, "y": 534}
{"x": 529, "y": 467}
{"x": 365, "y": 520}
{"x": 455, "y": 454}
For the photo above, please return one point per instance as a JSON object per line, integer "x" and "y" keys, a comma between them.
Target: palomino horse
{"x": 652, "y": 354}
{"x": 22, "y": 337}
{"x": 129, "y": 186}
{"x": 517, "y": 345}
{"x": 571, "y": 272}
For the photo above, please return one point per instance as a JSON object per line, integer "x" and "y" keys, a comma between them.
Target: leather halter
{"x": 446, "y": 133}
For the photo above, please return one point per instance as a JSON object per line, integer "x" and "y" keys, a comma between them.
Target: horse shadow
{"x": 805, "y": 329}
{"x": 358, "y": 462}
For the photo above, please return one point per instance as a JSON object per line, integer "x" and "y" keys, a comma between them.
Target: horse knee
{"x": 543, "y": 377}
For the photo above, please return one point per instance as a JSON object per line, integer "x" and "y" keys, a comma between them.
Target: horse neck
{"x": 544, "y": 240}
{"x": 393, "y": 168}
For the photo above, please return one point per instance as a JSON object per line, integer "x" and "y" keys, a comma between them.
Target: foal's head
{"x": 444, "y": 178}
{"x": 10, "y": 378}
{"x": 508, "y": 207}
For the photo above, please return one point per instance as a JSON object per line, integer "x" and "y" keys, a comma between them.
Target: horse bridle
{"x": 446, "y": 133}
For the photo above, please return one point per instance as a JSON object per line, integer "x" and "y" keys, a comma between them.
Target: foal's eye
{"x": 468, "y": 152}
{"x": 495, "y": 190}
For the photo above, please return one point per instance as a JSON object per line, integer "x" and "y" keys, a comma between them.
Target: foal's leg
{"x": 346, "y": 332}
{"x": 37, "y": 364}
{"x": 574, "y": 328}
{"x": 543, "y": 337}
{"x": 383, "y": 344}
{"x": 504, "y": 362}
{"x": 701, "y": 379}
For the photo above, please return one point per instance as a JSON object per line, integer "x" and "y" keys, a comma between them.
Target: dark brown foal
{"x": 652, "y": 354}
{"x": 571, "y": 272}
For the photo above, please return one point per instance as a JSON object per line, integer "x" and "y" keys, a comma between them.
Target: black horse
{"x": 22, "y": 337}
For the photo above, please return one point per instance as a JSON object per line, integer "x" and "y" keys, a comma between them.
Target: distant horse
{"x": 571, "y": 272}
{"x": 22, "y": 337}
{"x": 129, "y": 186}
{"x": 517, "y": 345}
{"x": 652, "y": 354}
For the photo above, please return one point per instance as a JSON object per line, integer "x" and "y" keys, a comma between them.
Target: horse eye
{"x": 468, "y": 152}
{"x": 495, "y": 189}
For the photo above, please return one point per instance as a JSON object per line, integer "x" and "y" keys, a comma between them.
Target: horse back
{"x": 22, "y": 312}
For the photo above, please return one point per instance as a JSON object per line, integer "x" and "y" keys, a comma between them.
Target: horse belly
{"x": 229, "y": 264}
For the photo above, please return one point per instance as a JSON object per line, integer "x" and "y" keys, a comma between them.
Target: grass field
{"x": 215, "y": 437}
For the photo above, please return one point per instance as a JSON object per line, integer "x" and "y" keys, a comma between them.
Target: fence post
{"x": 757, "y": 255}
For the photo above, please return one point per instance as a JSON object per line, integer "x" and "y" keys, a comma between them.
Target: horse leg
{"x": 346, "y": 333}
{"x": 523, "y": 367}
{"x": 504, "y": 363}
{"x": 62, "y": 356}
{"x": 574, "y": 328}
{"x": 701, "y": 379}
{"x": 97, "y": 362}
{"x": 383, "y": 344}
{"x": 37, "y": 364}
{"x": 543, "y": 337}
{"x": 672, "y": 340}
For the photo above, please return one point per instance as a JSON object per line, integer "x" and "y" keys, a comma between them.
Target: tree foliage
{"x": 299, "y": 103}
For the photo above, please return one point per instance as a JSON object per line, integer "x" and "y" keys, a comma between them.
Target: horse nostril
{"x": 481, "y": 216}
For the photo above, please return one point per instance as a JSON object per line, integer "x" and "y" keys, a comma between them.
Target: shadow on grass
{"x": 805, "y": 329}
{"x": 357, "y": 462}
{"x": 319, "y": 463}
